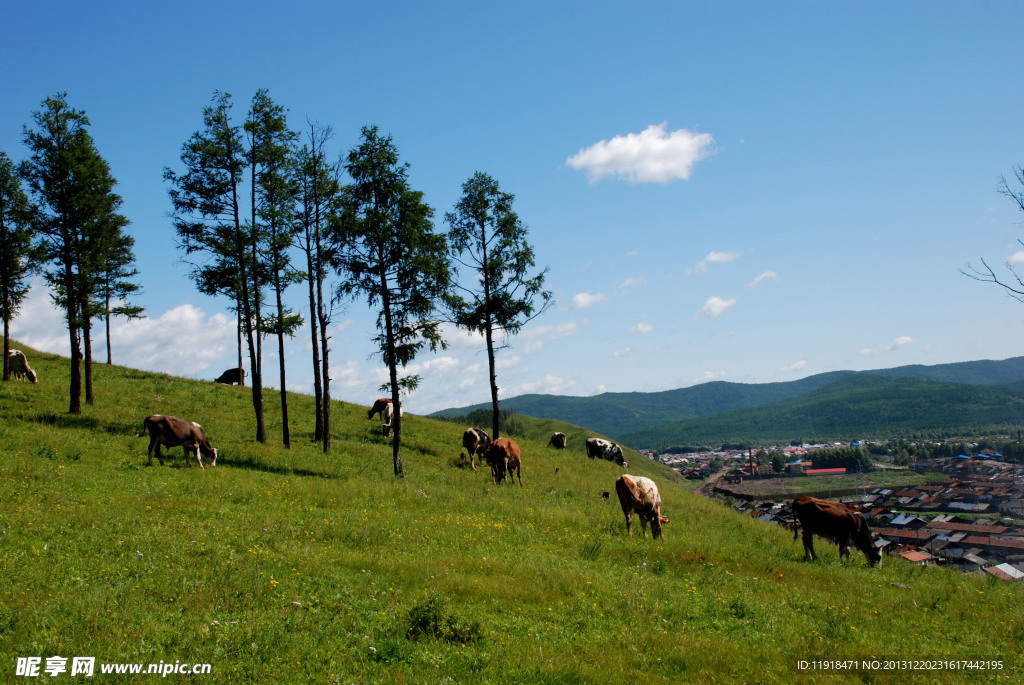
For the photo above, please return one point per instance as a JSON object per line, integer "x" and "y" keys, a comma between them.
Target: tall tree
{"x": 208, "y": 218}
{"x": 319, "y": 190}
{"x": 74, "y": 203}
{"x": 1014, "y": 285}
{"x": 15, "y": 249}
{"x": 118, "y": 283}
{"x": 389, "y": 253}
{"x": 487, "y": 237}
{"x": 274, "y": 193}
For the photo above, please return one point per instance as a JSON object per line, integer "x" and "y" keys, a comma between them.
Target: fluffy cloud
{"x": 716, "y": 306}
{"x": 793, "y": 368}
{"x": 629, "y": 284}
{"x": 714, "y": 257}
{"x": 709, "y": 376}
{"x": 1016, "y": 258}
{"x": 183, "y": 341}
{"x": 652, "y": 156}
{"x": 548, "y": 385}
{"x": 894, "y": 345}
{"x": 586, "y": 300}
{"x": 642, "y": 327}
{"x": 625, "y": 352}
{"x": 766, "y": 276}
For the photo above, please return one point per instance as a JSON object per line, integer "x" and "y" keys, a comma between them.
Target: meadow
{"x": 292, "y": 566}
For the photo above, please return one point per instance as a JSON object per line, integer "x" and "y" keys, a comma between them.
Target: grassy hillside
{"x": 283, "y": 566}
{"x": 859, "y": 406}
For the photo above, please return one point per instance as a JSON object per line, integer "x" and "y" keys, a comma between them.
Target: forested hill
{"x": 861, "y": 406}
{"x": 641, "y": 419}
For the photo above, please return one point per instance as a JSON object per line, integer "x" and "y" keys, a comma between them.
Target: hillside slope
{"x": 291, "y": 566}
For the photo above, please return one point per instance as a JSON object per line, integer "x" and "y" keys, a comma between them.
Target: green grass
{"x": 291, "y": 566}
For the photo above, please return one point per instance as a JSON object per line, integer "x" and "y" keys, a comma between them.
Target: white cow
{"x": 17, "y": 363}
{"x": 639, "y": 495}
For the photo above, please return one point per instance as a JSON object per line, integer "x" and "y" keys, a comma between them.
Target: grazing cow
{"x": 17, "y": 364}
{"x": 476, "y": 442}
{"x": 503, "y": 456}
{"x": 557, "y": 441}
{"x": 378, "y": 407}
{"x": 639, "y": 495}
{"x": 232, "y": 377}
{"x": 837, "y": 522}
{"x": 172, "y": 432}
{"x": 596, "y": 447}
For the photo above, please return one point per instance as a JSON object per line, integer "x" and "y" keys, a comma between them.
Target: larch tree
{"x": 208, "y": 219}
{"x": 15, "y": 249}
{"x": 74, "y": 204}
{"x": 118, "y": 283}
{"x": 274, "y": 191}
{"x": 319, "y": 193}
{"x": 388, "y": 252}
{"x": 487, "y": 237}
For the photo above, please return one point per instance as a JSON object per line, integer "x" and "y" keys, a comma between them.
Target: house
{"x": 1005, "y": 572}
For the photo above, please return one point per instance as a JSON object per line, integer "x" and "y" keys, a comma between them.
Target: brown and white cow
{"x": 378, "y": 407}
{"x": 837, "y": 522}
{"x": 173, "y": 432}
{"x": 503, "y": 456}
{"x": 639, "y": 495}
{"x": 17, "y": 364}
{"x": 476, "y": 442}
{"x": 557, "y": 441}
{"x": 232, "y": 377}
{"x": 606, "y": 449}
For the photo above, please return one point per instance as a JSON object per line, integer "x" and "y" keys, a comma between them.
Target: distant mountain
{"x": 860, "y": 406}
{"x": 638, "y": 419}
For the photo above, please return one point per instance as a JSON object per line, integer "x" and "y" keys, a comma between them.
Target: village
{"x": 970, "y": 516}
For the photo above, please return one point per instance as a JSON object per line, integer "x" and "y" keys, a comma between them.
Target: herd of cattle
{"x": 637, "y": 494}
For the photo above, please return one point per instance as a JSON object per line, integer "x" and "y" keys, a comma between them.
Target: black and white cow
{"x": 476, "y": 442}
{"x": 606, "y": 449}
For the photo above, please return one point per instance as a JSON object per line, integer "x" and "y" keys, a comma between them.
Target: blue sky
{"x": 752, "y": 192}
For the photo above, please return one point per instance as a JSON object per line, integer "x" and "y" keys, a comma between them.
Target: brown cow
{"x": 557, "y": 441}
{"x": 476, "y": 442}
{"x": 639, "y": 495}
{"x": 503, "y": 456}
{"x": 232, "y": 377}
{"x": 17, "y": 364}
{"x": 387, "y": 419}
{"x": 837, "y": 522}
{"x": 173, "y": 432}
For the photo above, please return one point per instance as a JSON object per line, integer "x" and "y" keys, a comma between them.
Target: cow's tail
{"x": 144, "y": 426}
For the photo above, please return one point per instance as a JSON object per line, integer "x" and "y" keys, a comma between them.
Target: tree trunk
{"x": 7, "y": 343}
{"x": 87, "y": 334}
{"x": 285, "y": 437}
{"x": 241, "y": 376}
{"x": 107, "y": 319}
{"x": 396, "y": 413}
{"x": 318, "y": 432}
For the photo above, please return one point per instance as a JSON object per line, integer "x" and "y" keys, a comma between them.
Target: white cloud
{"x": 709, "y": 376}
{"x": 792, "y": 368}
{"x": 549, "y": 385}
{"x": 651, "y": 156}
{"x": 586, "y": 300}
{"x": 625, "y": 352}
{"x": 1016, "y": 258}
{"x": 766, "y": 276}
{"x": 714, "y": 257}
{"x": 899, "y": 342}
{"x": 183, "y": 341}
{"x": 629, "y": 284}
{"x": 716, "y": 306}
{"x": 633, "y": 253}
{"x": 642, "y": 327}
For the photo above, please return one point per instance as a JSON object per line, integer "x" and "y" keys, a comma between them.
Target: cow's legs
{"x": 629, "y": 523}
{"x": 198, "y": 457}
{"x": 808, "y": 545}
{"x": 154, "y": 446}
